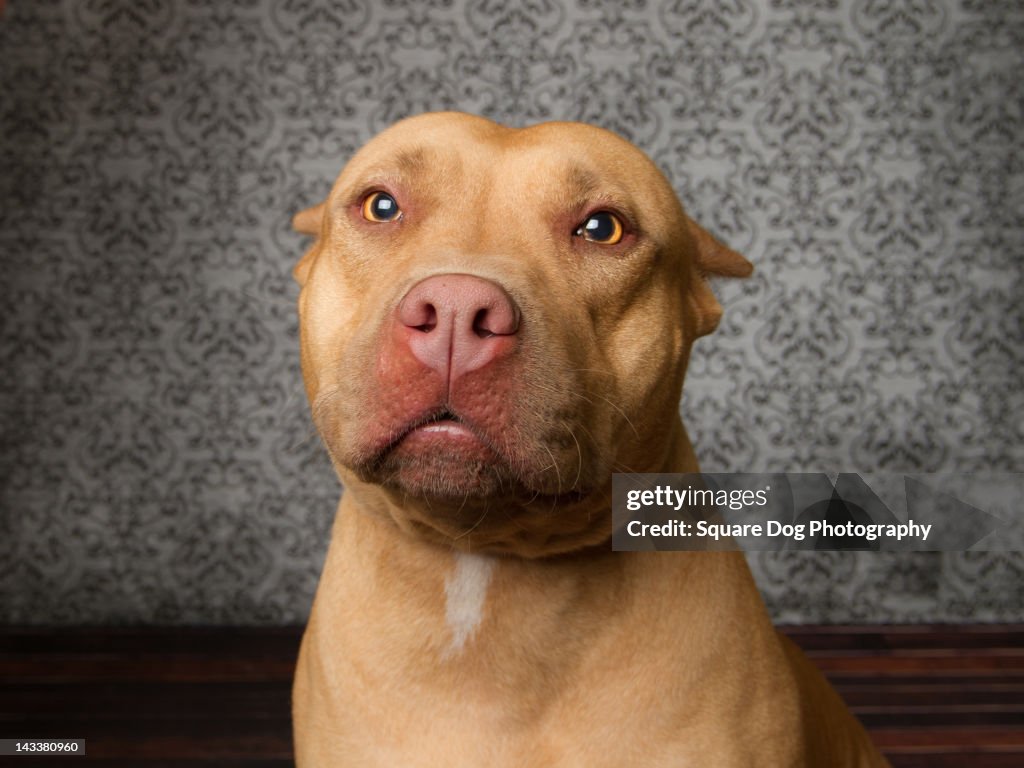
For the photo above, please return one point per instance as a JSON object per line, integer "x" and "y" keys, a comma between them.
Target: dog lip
{"x": 445, "y": 425}
{"x": 440, "y": 416}
{"x": 443, "y": 422}
{"x": 436, "y": 429}
{"x": 440, "y": 422}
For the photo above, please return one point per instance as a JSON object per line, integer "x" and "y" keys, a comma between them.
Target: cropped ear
{"x": 712, "y": 258}
{"x": 307, "y": 222}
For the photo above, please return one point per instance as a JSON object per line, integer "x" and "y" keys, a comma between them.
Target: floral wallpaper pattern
{"x": 157, "y": 460}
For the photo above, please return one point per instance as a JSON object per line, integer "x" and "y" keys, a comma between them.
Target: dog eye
{"x": 380, "y": 207}
{"x": 601, "y": 227}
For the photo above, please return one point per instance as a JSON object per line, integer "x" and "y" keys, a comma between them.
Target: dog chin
{"x": 443, "y": 476}
{"x": 441, "y": 464}
{"x": 448, "y": 463}
{"x": 453, "y": 477}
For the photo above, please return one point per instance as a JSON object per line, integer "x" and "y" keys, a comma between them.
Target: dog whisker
{"x": 583, "y": 395}
{"x": 579, "y": 455}
{"x": 474, "y": 526}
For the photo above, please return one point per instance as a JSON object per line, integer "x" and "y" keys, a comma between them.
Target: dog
{"x": 492, "y": 322}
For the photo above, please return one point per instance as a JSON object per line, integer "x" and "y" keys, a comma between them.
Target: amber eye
{"x": 601, "y": 227}
{"x": 380, "y": 207}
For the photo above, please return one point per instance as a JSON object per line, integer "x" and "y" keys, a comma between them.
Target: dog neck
{"x": 421, "y": 611}
{"x": 404, "y": 621}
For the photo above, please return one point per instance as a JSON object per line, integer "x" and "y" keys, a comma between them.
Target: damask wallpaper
{"x": 157, "y": 460}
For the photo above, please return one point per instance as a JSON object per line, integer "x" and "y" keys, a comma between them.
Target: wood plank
{"x": 995, "y": 665}
{"x": 190, "y": 697}
{"x": 161, "y": 762}
{"x": 920, "y": 692}
{"x": 957, "y": 760}
{"x": 226, "y": 738}
{"x": 247, "y": 642}
{"x": 98, "y": 669}
{"x": 815, "y": 637}
{"x": 144, "y": 700}
{"x": 195, "y": 762}
{"x": 949, "y": 739}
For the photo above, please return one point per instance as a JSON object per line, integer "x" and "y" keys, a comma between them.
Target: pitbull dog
{"x": 493, "y": 321}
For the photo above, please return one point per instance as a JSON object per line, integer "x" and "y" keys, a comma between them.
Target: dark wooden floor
{"x": 930, "y": 696}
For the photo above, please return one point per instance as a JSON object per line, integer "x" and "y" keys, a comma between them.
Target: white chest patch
{"x": 465, "y": 591}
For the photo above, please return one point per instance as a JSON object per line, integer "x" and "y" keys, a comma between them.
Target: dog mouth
{"x": 454, "y": 478}
{"x": 440, "y": 453}
{"x": 439, "y": 426}
{"x": 443, "y": 420}
{"x": 445, "y": 455}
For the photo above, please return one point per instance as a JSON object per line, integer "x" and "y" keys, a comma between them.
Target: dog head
{"x": 493, "y": 320}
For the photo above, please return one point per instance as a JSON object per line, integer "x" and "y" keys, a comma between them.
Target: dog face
{"x": 494, "y": 320}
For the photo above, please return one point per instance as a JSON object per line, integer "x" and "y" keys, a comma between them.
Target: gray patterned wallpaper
{"x": 157, "y": 461}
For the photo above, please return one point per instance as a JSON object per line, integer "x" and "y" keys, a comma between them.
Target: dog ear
{"x": 712, "y": 258}
{"x": 307, "y": 222}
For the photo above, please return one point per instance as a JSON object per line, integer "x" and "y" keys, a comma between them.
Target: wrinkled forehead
{"x": 578, "y": 162}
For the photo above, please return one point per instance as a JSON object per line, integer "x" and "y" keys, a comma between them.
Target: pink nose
{"x": 455, "y": 324}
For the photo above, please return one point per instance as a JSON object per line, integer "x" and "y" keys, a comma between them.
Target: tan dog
{"x": 493, "y": 321}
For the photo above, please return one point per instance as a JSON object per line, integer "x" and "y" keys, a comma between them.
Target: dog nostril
{"x": 429, "y": 319}
{"x": 480, "y": 325}
{"x": 501, "y": 320}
